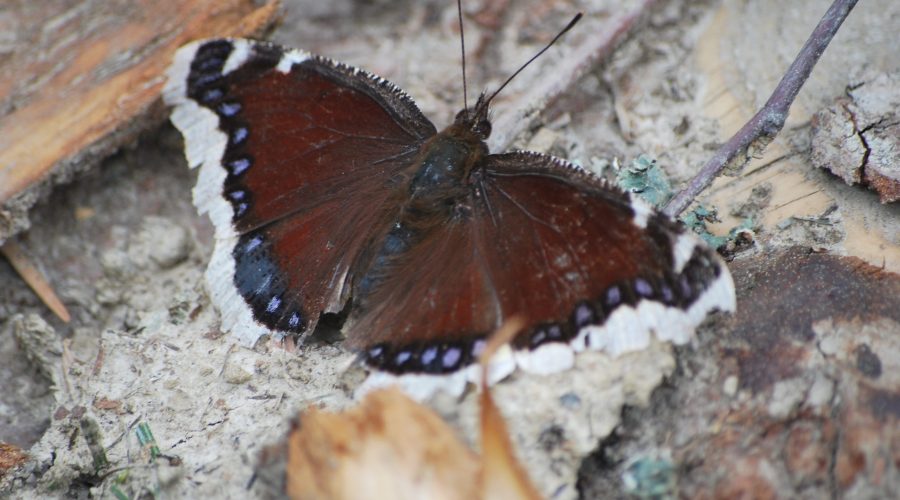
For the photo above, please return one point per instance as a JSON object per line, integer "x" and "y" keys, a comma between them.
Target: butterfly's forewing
{"x": 302, "y": 161}
{"x": 585, "y": 264}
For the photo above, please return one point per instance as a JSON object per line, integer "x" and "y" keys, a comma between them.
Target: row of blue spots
{"x": 442, "y": 358}
{"x": 259, "y": 281}
{"x": 433, "y": 358}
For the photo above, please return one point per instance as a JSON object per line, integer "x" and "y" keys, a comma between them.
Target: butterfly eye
{"x": 482, "y": 129}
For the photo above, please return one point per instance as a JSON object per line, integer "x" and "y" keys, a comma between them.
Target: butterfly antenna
{"x": 462, "y": 42}
{"x": 557, "y": 37}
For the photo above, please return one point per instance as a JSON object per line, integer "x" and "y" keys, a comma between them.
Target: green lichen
{"x": 697, "y": 219}
{"x": 645, "y": 178}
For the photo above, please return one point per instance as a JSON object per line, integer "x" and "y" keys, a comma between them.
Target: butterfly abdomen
{"x": 438, "y": 194}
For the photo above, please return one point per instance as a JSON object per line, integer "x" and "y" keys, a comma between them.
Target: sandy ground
{"x": 126, "y": 252}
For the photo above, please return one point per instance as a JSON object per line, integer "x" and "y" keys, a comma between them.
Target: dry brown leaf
{"x": 388, "y": 447}
{"x": 108, "y": 404}
{"x": 503, "y": 475}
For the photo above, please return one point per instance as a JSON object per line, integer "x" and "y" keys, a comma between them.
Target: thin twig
{"x": 225, "y": 361}
{"x": 29, "y": 272}
{"x": 753, "y": 137}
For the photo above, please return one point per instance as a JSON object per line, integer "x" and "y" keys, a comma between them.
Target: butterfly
{"x": 329, "y": 191}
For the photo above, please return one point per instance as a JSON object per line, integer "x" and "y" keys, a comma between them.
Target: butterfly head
{"x": 476, "y": 120}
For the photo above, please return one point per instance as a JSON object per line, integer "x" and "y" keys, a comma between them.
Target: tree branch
{"x": 756, "y": 134}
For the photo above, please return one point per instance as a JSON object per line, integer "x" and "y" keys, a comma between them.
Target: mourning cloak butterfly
{"x": 328, "y": 187}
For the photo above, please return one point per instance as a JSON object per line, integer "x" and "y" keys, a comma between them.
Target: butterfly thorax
{"x": 444, "y": 164}
{"x": 446, "y": 160}
{"x": 439, "y": 193}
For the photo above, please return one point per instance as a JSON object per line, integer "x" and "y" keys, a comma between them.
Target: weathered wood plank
{"x": 81, "y": 76}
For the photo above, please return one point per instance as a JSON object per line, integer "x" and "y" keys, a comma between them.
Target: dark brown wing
{"x": 302, "y": 161}
{"x": 584, "y": 263}
{"x": 599, "y": 266}
{"x": 434, "y": 304}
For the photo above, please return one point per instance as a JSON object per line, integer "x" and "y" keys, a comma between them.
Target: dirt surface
{"x": 126, "y": 252}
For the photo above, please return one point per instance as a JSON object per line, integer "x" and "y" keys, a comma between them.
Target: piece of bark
{"x": 739, "y": 64}
{"x": 82, "y": 80}
{"x": 814, "y": 348}
{"x": 858, "y": 137}
{"x": 782, "y": 297}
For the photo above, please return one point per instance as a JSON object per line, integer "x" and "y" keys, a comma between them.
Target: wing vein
{"x": 536, "y": 237}
{"x": 477, "y": 244}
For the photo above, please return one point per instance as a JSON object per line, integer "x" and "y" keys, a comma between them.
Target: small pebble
{"x": 570, "y": 401}
{"x": 730, "y": 386}
{"x": 236, "y": 375}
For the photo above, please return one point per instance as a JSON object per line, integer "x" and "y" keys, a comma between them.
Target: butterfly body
{"x": 437, "y": 191}
{"x": 445, "y": 164}
{"x": 328, "y": 187}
